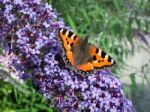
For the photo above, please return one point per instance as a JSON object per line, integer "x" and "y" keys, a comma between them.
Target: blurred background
{"x": 121, "y": 28}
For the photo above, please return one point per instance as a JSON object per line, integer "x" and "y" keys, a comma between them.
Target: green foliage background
{"x": 110, "y": 24}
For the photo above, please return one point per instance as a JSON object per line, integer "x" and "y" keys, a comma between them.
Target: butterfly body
{"x": 81, "y": 56}
{"x": 81, "y": 52}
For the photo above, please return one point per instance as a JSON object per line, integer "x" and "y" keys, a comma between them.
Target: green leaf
{"x": 71, "y": 22}
{"x": 42, "y": 107}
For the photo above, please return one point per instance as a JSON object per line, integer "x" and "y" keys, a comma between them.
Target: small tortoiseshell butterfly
{"x": 82, "y": 57}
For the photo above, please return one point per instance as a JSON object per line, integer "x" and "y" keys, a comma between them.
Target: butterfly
{"x": 81, "y": 56}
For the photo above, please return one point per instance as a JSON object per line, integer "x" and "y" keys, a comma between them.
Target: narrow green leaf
{"x": 71, "y": 22}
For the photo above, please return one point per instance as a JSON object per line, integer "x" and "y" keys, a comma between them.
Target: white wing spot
{"x": 99, "y": 53}
{"x": 112, "y": 61}
{"x": 72, "y": 37}
{"x": 106, "y": 57}
{"x": 61, "y": 30}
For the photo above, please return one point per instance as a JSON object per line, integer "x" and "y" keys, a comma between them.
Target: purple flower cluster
{"x": 29, "y": 28}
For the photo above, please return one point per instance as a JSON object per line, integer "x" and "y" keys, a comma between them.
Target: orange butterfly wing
{"x": 99, "y": 60}
{"x": 68, "y": 40}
